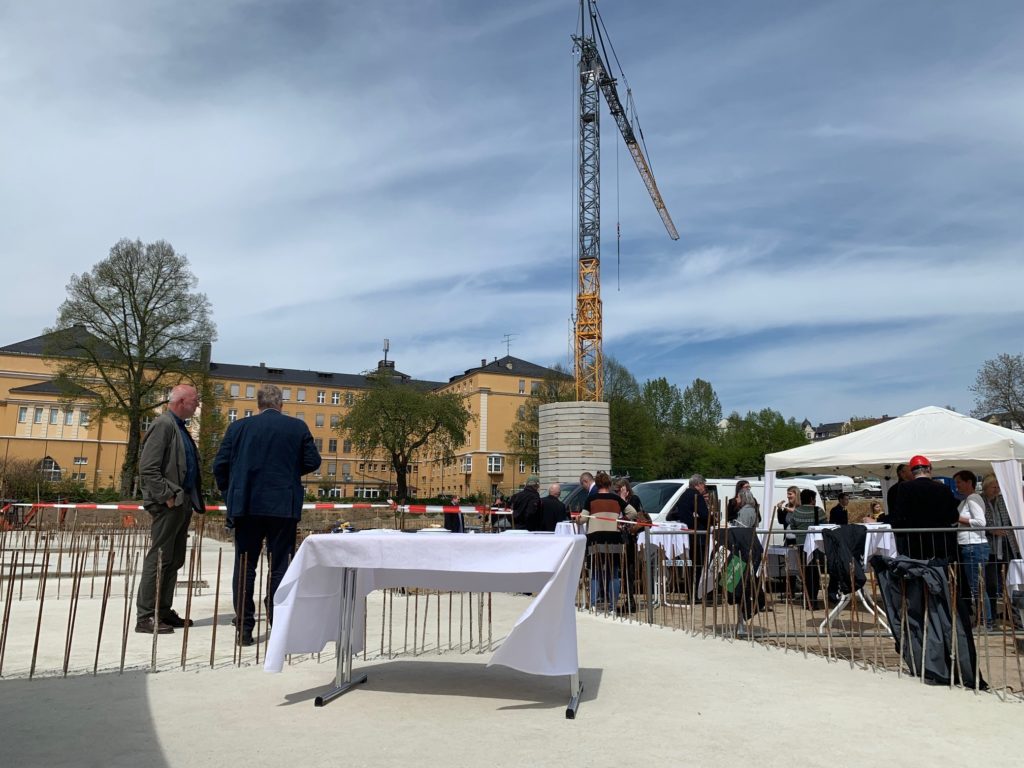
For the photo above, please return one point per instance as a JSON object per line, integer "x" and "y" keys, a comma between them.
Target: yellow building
{"x": 39, "y": 424}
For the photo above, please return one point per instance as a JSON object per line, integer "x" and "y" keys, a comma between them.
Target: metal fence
{"x": 801, "y": 596}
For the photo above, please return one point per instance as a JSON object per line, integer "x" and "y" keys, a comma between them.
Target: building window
{"x": 533, "y": 441}
{"x": 316, "y": 472}
{"x": 321, "y": 396}
{"x": 147, "y": 422}
{"x": 521, "y": 412}
{"x": 232, "y": 415}
{"x": 300, "y": 395}
{"x": 467, "y": 464}
{"x": 83, "y": 418}
{"x": 69, "y": 417}
{"x": 522, "y": 439}
{"x": 250, "y": 390}
{"x": 49, "y": 468}
{"x": 335, "y": 420}
{"x": 53, "y": 416}
{"x": 494, "y": 464}
{"x": 218, "y": 389}
{"x": 286, "y": 393}
{"x": 334, "y": 493}
{"x": 332, "y": 468}
{"x": 319, "y": 443}
{"x": 349, "y": 398}
{"x": 78, "y": 475}
{"x": 22, "y": 414}
{"x": 332, "y": 446}
{"x": 233, "y": 389}
{"x": 346, "y": 471}
{"x": 522, "y": 386}
{"x": 534, "y": 387}
{"x": 346, "y": 446}
{"x": 248, "y": 412}
{"x": 335, "y": 398}
{"x": 301, "y": 415}
{"x": 522, "y": 467}
{"x": 81, "y": 460}
{"x": 534, "y": 469}
{"x": 319, "y": 419}
{"x": 366, "y": 493}
{"x": 38, "y": 416}
{"x": 362, "y": 466}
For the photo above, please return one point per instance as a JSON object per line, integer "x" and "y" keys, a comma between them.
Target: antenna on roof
{"x": 507, "y": 339}
{"x": 387, "y": 346}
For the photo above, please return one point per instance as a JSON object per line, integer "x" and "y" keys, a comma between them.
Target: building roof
{"x": 271, "y": 374}
{"x": 510, "y": 366}
{"x": 66, "y": 341}
{"x": 51, "y": 387}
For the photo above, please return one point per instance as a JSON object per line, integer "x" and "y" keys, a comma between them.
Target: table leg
{"x": 575, "y": 690}
{"x": 873, "y": 609}
{"x": 343, "y": 648}
{"x": 845, "y": 601}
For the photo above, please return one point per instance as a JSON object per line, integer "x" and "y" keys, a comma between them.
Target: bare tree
{"x": 999, "y": 388}
{"x": 130, "y": 329}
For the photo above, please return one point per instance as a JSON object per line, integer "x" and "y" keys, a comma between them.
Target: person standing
{"x": 732, "y": 508}
{"x": 924, "y": 503}
{"x": 170, "y": 474}
{"x": 258, "y": 469}
{"x": 973, "y": 545}
{"x": 587, "y": 481}
{"x": 551, "y": 511}
{"x": 903, "y": 475}
{"x": 840, "y": 513}
{"x": 692, "y": 510}
{"x": 800, "y": 519}
{"x": 1002, "y": 544}
{"x": 524, "y": 505}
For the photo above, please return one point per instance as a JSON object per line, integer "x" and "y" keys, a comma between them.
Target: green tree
{"x": 129, "y": 329}
{"x": 701, "y": 410}
{"x": 635, "y": 442}
{"x": 999, "y": 388}
{"x": 746, "y": 441}
{"x": 401, "y": 421}
{"x": 212, "y": 425}
{"x": 664, "y": 404}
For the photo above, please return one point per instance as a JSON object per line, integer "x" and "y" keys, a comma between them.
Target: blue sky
{"x": 847, "y": 179}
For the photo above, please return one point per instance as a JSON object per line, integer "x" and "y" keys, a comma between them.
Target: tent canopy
{"x": 950, "y": 440}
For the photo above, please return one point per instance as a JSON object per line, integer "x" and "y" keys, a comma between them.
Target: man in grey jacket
{"x": 171, "y": 482}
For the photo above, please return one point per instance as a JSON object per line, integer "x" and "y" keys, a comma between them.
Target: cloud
{"x": 842, "y": 176}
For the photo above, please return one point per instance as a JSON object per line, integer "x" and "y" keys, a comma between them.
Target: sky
{"x": 847, "y": 180}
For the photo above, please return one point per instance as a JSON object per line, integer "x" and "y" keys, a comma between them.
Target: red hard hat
{"x": 919, "y": 461}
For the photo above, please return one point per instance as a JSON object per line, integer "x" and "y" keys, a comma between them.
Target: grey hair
{"x": 697, "y": 480}
{"x": 554, "y": 490}
{"x": 268, "y": 396}
{"x": 747, "y": 498}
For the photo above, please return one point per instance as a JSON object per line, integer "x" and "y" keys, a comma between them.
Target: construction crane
{"x": 595, "y": 80}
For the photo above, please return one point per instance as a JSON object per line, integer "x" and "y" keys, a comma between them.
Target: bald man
{"x": 171, "y": 483}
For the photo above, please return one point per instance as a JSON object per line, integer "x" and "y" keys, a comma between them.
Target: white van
{"x": 659, "y": 497}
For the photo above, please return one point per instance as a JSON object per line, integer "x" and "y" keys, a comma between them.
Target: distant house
{"x": 1002, "y": 420}
{"x": 808, "y": 429}
{"x": 831, "y": 429}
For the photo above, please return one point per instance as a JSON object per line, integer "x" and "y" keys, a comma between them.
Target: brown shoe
{"x": 146, "y": 626}
{"x": 174, "y": 620}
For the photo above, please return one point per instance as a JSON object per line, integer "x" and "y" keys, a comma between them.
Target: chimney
{"x": 483, "y": 362}
{"x": 262, "y": 364}
{"x": 205, "y": 350}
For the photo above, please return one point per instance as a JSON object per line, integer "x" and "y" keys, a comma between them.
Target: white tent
{"x": 950, "y": 441}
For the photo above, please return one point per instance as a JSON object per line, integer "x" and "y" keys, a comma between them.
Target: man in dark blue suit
{"x": 258, "y": 470}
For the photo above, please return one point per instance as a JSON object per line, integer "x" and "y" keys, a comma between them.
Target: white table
{"x": 674, "y": 538}
{"x": 568, "y": 528}
{"x": 879, "y": 539}
{"x": 330, "y": 574}
{"x": 1015, "y": 575}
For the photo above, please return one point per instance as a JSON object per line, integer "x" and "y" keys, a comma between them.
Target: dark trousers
{"x": 169, "y": 544}
{"x": 250, "y": 533}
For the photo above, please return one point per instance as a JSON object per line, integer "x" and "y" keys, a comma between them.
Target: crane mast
{"x": 594, "y": 81}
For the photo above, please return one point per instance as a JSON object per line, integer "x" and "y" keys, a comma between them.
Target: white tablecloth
{"x": 542, "y": 642}
{"x": 565, "y": 528}
{"x": 1015, "y": 575}
{"x": 879, "y": 539}
{"x": 676, "y": 539}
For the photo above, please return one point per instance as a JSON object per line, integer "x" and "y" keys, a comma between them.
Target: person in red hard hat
{"x": 924, "y": 503}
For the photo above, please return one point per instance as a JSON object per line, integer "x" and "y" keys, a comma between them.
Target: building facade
{"x": 64, "y": 438}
